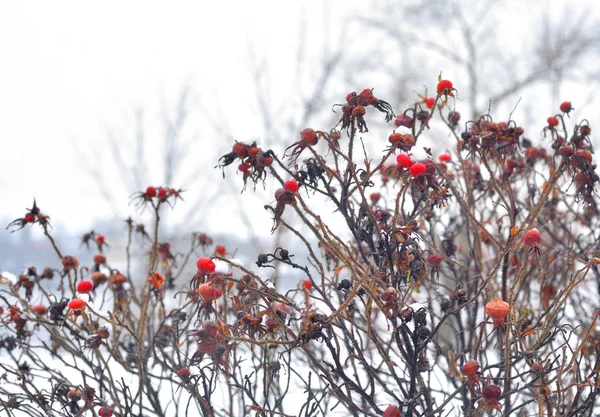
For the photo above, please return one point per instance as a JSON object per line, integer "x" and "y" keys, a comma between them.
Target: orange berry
{"x": 77, "y": 304}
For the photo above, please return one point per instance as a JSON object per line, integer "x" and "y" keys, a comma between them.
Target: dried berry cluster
{"x": 459, "y": 284}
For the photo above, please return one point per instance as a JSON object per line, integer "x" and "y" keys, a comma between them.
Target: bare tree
{"x": 482, "y": 43}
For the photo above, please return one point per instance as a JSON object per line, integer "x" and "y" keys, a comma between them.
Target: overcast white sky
{"x": 69, "y": 68}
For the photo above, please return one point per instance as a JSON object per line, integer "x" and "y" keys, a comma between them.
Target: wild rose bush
{"x": 459, "y": 285}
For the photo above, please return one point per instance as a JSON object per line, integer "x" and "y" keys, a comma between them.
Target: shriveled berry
{"x": 184, "y": 374}
{"x": 209, "y": 292}
{"x": 70, "y": 262}
{"x": 117, "y": 279}
{"x": 99, "y": 278}
{"x": 434, "y": 259}
{"x": 403, "y": 160}
{"x": 374, "y": 197}
{"x": 417, "y": 169}
{"x": 403, "y": 120}
{"x": 85, "y": 287}
{"x": 240, "y": 150}
{"x": 244, "y": 167}
{"x": 366, "y": 96}
{"x": 359, "y": 111}
{"x": 205, "y": 265}
{"x": 388, "y": 295}
{"x": 430, "y": 165}
{"x": 470, "y": 368}
{"x": 532, "y": 238}
{"x": 491, "y": 392}
{"x": 39, "y": 309}
{"x": 211, "y": 328}
{"x": 309, "y": 136}
{"x": 105, "y": 412}
{"x": 454, "y": 117}
{"x": 291, "y": 186}
{"x": 565, "y": 151}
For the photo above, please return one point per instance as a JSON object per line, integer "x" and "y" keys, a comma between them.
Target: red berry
{"x": 85, "y": 287}
{"x": 244, "y": 167}
{"x": 532, "y": 238}
{"x": 444, "y": 87}
{"x": 566, "y": 107}
{"x": 470, "y": 368}
{"x": 209, "y": 292}
{"x": 403, "y": 160}
{"x": 205, "y": 265}
{"x": 391, "y": 411}
{"x": 417, "y": 169}
{"x": 445, "y": 157}
{"x": 430, "y": 102}
{"x": 29, "y": 218}
{"x": 240, "y": 150}
{"x": 99, "y": 259}
{"x": 105, "y": 412}
{"x": 375, "y": 197}
{"x": 77, "y": 304}
{"x": 163, "y": 193}
{"x": 220, "y": 250}
{"x": 552, "y": 121}
{"x": 307, "y": 284}
{"x": 309, "y": 136}
{"x": 291, "y": 186}
{"x": 151, "y": 191}
{"x": 100, "y": 239}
